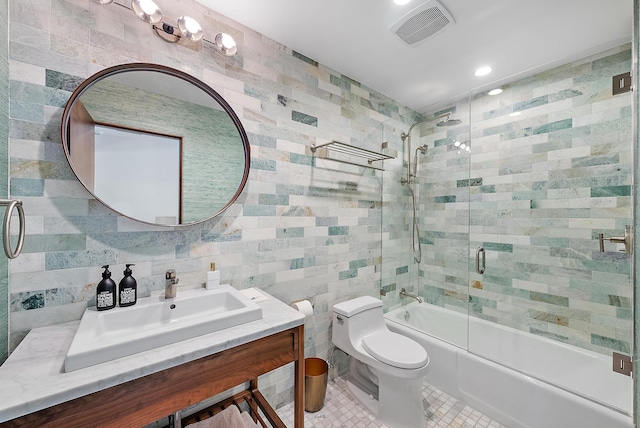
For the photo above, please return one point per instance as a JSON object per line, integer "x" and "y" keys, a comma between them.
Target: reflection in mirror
{"x": 176, "y": 153}
{"x": 150, "y": 167}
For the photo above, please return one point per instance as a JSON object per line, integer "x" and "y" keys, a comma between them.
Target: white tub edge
{"x": 507, "y": 396}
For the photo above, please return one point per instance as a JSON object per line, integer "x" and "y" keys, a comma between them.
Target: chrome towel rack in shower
{"x": 348, "y": 149}
{"x": 6, "y": 238}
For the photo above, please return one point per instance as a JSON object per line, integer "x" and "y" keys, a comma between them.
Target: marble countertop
{"x": 33, "y": 376}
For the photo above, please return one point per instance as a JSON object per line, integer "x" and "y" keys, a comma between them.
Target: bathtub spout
{"x": 403, "y": 293}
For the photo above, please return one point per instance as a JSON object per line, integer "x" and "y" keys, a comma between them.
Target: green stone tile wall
{"x": 303, "y": 227}
{"x": 636, "y": 141}
{"x": 311, "y": 228}
{"x": 550, "y": 168}
{"x": 4, "y": 139}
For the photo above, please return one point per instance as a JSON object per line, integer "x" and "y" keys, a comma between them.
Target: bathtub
{"x": 564, "y": 386}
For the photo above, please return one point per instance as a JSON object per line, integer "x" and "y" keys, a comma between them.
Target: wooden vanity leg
{"x": 298, "y": 416}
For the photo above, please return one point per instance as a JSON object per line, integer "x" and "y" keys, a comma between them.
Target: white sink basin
{"x": 153, "y": 322}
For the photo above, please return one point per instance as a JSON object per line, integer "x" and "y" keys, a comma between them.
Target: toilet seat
{"x": 395, "y": 350}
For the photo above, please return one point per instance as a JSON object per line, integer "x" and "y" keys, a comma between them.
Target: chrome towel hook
{"x": 11, "y": 204}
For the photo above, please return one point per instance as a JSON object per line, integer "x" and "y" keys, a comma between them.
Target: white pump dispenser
{"x": 213, "y": 277}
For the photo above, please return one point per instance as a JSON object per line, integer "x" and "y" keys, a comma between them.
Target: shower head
{"x": 423, "y": 149}
{"x": 449, "y": 122}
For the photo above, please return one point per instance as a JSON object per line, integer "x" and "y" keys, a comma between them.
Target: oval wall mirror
{"x": 155, "y": 144}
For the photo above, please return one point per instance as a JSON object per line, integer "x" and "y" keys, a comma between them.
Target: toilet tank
{"x": 355, "y": 319}
{"x": 357, "y": 305}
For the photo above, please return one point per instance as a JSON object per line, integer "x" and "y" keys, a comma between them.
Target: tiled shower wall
{"x": 636, "y": 141}
{"x": 550, "y": 168}
{"x": 297, "y": 231}
{"x": 4, "y": 138}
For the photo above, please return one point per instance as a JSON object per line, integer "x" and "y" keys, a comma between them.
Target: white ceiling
{"x": 514, "y": 37}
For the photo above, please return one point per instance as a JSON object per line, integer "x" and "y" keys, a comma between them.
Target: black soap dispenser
{"x": 106, "y": 292}
{"x": 128, "y": 295}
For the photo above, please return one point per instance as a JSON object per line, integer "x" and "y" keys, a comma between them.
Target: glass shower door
{"x": 442, "y": 191}
{"x": 4, "y": 191}
{"x": 552, "y": 158}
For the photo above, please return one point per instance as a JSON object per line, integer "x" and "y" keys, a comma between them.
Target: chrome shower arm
{"x": 407, "y": 137}
{"x": 445, "y": 116}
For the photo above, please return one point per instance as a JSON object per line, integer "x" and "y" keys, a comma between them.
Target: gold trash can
{"x": 316, "y": 372}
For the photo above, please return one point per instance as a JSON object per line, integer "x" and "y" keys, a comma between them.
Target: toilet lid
{"x": 395, "y": 350}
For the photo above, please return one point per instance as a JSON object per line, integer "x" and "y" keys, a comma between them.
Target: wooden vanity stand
{"x": 147, "y": 399}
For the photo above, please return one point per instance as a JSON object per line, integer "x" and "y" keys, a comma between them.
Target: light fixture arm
{"x": 167, "y": 32}
{"x": 172, "y": 33}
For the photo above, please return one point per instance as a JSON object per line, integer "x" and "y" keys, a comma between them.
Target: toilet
{"x": 386, "y": 369}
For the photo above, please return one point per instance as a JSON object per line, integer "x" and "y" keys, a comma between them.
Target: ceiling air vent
{"x": 422, "y": 22}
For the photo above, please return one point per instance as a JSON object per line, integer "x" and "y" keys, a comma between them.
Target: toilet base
{"x": 399, "y": 401}
{"x": 368, "y": 401}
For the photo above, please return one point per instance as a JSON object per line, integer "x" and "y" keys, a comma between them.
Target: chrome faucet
{"x": 170, "y": 284}
{"x": 403, "y": 293}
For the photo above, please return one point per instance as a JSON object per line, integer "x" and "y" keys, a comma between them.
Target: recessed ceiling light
{"x": 496, "y": 91}
{"x": 483, "y": 71}
{"x": 515, "y": 113}
{"x": 401, "y": 2}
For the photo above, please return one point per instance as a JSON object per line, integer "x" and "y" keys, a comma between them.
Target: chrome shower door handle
{"x": 480, "y": 254}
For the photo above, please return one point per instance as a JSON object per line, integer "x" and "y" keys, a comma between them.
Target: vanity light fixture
{"x": 185, "y": 27}
{"x": 190, "y": 28}
{"x": 226, "y": 44}
{"x": 146, "y": 10}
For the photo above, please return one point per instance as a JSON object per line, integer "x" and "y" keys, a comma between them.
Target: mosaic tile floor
{"x": 341, "y": 410}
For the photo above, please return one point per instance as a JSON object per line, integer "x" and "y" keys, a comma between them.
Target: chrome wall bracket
{"x": 621, "y": 83}
{"x": 627, "y": 240}
{"x": 622, "y": 364}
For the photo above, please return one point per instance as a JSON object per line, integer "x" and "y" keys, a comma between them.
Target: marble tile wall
{"x": 550, "y": 167}
{"x": 636, "y": 140}
{"x": 303, "y": 227}
{"x": 4, "y": 139}
{"x": 310, "y": 228}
